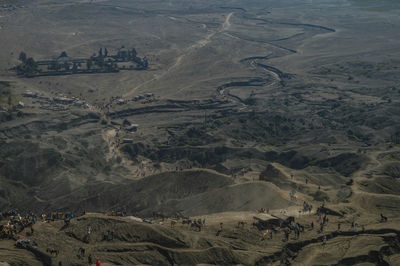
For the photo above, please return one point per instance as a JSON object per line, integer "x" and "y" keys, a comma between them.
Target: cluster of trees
{"x": 100, "y": 62}
{"x": 101, "y": 52}
{"x": 27, "y": 65}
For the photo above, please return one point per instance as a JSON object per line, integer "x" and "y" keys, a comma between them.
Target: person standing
{"x": 287, "y": 235}
{"x": 82, "y": 251}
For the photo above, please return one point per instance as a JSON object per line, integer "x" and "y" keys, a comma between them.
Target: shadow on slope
{"x": 197, "y": 192}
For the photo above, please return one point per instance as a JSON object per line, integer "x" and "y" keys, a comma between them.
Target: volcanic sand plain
{"x": 245, "y": 95}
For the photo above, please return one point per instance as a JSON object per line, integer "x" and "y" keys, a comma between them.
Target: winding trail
{"x": 362, "y": 175}
{"x": 277, "y": 75}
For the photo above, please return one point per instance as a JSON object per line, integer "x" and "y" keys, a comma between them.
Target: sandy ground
{"x": 253, "y": 102}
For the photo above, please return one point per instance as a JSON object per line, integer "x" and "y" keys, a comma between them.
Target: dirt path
{"x": 180, "y": 59}
{"x": 227, "y": 24}
{"x": 110, "y": 138}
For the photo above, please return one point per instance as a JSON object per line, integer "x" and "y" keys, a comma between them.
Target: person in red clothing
{"x": 98, "y": 263}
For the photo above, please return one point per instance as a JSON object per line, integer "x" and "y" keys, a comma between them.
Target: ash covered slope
{"x": 259, "y": 92}
{"x": 134, "y": 243}
{"x": 265, "y": 88}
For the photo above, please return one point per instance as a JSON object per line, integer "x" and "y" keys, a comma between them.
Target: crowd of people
{"x": 13, "y": 223}
{"x": 296, "y": 228}
{"x": 16, "y": 223}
